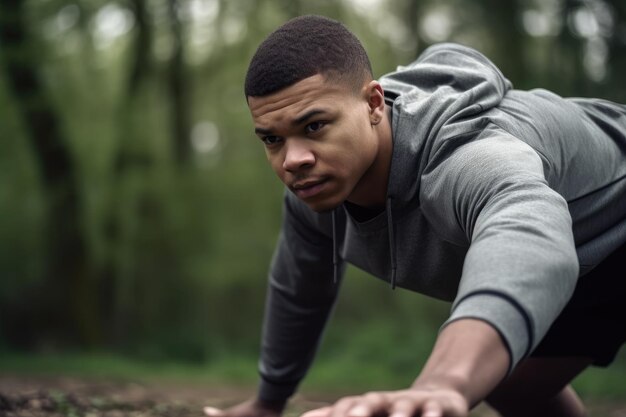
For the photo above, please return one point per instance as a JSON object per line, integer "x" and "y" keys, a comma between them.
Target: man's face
{"x": 319, "y": 139}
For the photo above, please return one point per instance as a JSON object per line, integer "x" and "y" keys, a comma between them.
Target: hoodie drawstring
{"x": 392, "y": 244}
{"x": 335, "y": 257}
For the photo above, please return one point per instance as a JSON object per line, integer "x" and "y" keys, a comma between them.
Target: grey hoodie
{"x": 498, "y": 200}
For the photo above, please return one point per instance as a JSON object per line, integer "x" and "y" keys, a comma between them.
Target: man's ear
{"x": 375, "y": 101}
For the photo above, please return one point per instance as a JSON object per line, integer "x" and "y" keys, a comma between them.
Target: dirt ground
{"x": 38, "y": 396}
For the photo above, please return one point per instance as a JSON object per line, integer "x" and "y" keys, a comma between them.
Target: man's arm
{"x": 300, "y": 297}
{"x": 469, "y": 357}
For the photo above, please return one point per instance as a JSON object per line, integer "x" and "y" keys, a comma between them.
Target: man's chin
{"x": 324, "y": 206}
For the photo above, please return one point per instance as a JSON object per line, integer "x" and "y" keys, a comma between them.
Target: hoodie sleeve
{"x": 300, "y": 296}
{"x": 521, "y": 267}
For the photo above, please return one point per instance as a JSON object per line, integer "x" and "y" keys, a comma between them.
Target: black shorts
{"x": 593, "y": 323}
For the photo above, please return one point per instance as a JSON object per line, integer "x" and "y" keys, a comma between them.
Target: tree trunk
{"x": 65, "y": 306}
{"x": 502, "y": 19}
{"x": 128, "y": 162}
{"x": 179, "y": 90}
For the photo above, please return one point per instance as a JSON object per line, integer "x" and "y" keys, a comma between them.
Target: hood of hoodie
{"x": 438, "y": 103}
{"x": 440, "y": 95}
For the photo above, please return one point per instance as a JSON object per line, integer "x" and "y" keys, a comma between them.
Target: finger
{"x": 213, "y": 412}
{"x": 341, "y": 407}
{"x": 369, "y": 404}
{"x": 359, "y": 410}
{"x": 403, "y": 407}
{"x": 318, "y": 412}
{"x": 432, "y": 409}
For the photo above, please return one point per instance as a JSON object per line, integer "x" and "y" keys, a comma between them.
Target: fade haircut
{"x": 303, "y": 47}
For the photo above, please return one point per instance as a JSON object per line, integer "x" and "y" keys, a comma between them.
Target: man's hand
{"x": 424, "y": 402}
{"x": 250, "y": 408}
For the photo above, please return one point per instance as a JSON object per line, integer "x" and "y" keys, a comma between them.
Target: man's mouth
{"x": 309, "y": 188}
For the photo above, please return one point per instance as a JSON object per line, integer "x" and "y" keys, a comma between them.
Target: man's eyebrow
{"x": 296, "y": 122}
{"x": 261, "y": 131}
{"x": 306, "y": 116}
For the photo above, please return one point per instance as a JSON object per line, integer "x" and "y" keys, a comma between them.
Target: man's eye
{"x": 314, "y": 127}
{"x": 270, "y": 140}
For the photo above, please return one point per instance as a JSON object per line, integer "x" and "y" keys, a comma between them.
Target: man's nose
{"x": 297, "y": 156}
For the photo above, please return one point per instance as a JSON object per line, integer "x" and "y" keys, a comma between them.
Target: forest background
{"x": 138, "y": 214}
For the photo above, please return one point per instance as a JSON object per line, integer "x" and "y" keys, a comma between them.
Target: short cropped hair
{"x": 303, "y": 47}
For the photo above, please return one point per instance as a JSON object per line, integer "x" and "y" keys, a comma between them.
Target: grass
{"x": 235, "y": 370}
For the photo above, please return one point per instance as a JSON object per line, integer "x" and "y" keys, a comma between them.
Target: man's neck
{"x": 371, "y": 192}
{"x": 362, "y": 214}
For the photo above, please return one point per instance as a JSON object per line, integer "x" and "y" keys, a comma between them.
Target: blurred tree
{"x": 411, "y": 12}
{"x": 292, "y": 8}
{"x": 129, "y": 158}
{"x": 617, "y": 53}
{"x": 566, "y": 69}
{"x": 178, "y": 83}
{"x": 67, "y": 276}
{"x": 503, "y": 20}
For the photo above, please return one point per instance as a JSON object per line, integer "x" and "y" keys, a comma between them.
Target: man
{"x": 442, "y": 179}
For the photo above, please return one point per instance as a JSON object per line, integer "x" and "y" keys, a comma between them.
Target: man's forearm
{"x": 469, "y": 357}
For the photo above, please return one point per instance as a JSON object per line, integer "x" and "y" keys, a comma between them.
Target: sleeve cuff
{"x": 272, "y": 392}
{"x": 505, "y": 314}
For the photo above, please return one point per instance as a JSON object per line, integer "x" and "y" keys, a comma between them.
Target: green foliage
{"x": 20, "y": 206}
